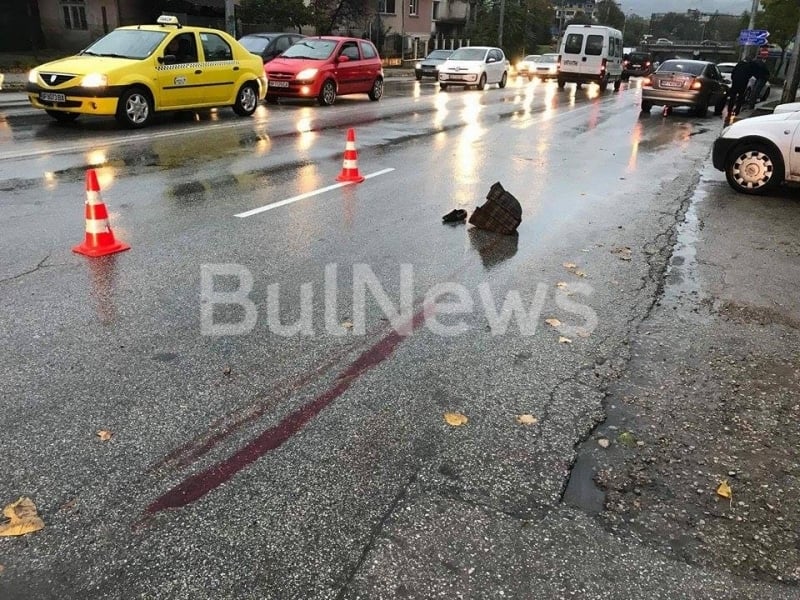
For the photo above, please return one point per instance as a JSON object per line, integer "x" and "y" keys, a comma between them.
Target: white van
{"x": 591, "y": 53}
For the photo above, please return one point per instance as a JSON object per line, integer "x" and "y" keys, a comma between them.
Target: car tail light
{"x": 647, "y": 63}
{"x": 624, "y": 63}
{"x": 696, "y": 85}
{"x": 647, "y": 82}
{"x": 603, "y": 65}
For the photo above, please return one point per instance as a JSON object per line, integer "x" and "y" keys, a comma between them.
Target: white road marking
{"x": 293, "y": 199}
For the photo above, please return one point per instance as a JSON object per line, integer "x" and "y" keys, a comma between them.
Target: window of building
{"x": 435, "y": 15}
{"x": 386, "y": 7}
{"x": 74, "y": 14}
{"x": 413, "y": 7}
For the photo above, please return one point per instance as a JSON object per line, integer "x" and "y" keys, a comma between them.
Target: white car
{"x": 757, "y": 154}
{"x": 474, "y": 66}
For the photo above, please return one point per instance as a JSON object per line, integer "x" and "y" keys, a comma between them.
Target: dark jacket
{"x": 760, "y": 70}
{"x": 741, "y": 74}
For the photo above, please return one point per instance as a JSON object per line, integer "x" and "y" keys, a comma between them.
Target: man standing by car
{"x": 740, "y": 76}
{"x": 761, "y": 72}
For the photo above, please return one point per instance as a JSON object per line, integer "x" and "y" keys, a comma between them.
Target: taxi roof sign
{"x": 168, "y": 20}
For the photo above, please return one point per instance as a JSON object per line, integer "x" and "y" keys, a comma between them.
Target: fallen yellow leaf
{"x": 553, "y": 322}
{"x": 455, "y": 419}
{"x": 561, "y": 285}
{"x": 569, "y": 265}
{"x": 22, "y": 518}
{"x": 104, "y": 435}
{"x": 564, "y": 340}
{"x": 579, "y": 273}
{"x": 724, "y": 490}
{"x": 527, "y": 420}
{"x": 347, "y": 324}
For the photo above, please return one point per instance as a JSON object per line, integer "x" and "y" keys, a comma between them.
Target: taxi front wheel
{"x": 246, "y": 100}
{"x": 134, "y": 108}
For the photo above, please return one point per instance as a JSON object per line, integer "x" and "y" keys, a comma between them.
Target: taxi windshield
{"x": 127, "y": 43}
{"x": 311, "y": 49}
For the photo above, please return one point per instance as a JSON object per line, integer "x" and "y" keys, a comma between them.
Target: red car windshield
{"x": 311, "y": 49}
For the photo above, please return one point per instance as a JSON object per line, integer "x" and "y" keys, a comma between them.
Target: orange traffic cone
{"x": 99, "y": 239}
{"x": 350, "y": 166}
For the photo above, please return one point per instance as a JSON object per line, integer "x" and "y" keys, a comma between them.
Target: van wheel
{"x": 443, "y": 87}
{"x": 604, "y": 84}
{"x": 561, "y": 83}
{"x": 617, "y": 85}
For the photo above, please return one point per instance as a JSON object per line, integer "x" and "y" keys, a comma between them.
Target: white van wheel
{"x": 617, "y": 85}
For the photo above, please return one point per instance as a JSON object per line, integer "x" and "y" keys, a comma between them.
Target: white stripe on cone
{"x": 349, "y": 164}
{"x": 93, "y": 197}
{"x": 97, "y": 226}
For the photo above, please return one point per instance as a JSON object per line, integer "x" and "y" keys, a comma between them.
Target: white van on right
{"x": 591, "y": 54}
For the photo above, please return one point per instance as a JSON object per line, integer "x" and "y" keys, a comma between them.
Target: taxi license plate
{"x": 51, "y": 97}
{"x": 672, "y": 84}
{"x": 283, "y": 84}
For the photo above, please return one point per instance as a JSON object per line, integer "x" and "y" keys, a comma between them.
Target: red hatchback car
{"x": 324, "y": 67}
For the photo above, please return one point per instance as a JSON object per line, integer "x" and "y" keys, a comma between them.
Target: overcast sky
{"x": 645, "y": 7}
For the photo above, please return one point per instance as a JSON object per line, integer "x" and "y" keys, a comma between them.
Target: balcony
{"x": 453, "y": 11}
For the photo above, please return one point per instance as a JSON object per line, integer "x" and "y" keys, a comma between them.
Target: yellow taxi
{"x": 137, "y": 70}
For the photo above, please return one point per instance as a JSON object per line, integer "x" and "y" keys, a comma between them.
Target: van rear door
{"x": 572, "y": 54}
{"x": 594, "y": 53}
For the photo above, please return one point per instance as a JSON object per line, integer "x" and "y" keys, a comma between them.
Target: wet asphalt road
{"x": 318, "y": 465}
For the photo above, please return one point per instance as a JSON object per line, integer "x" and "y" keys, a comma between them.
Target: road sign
{"x": 753, "y": 37}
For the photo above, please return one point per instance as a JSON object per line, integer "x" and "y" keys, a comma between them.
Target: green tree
{"x": 780, "y": 18}
{"x": 609, "y": 13}
{"x": 635, "y": 28}
{"x": 278, "y": 14}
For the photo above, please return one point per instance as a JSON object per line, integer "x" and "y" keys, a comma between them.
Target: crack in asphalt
{"x": 40, "y": 265}
{"x": 663, "y": 246}
{"x": 376, "y": 531}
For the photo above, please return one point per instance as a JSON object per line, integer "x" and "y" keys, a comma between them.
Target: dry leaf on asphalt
{"x": 562, "y": 285}
{"x": 347, "y": 324}
{"x": 22, "y": 518}
{"x": 579, "y": 273}
{"x": 104, "y": 435}
{"x": 527, "y": 420}
{"x": 553, "y": 322}
{"x": 455, "y": 419}
{"x": 603, "y": 443}
{"x": 564, "y": 340}
{"x": 569, "y": 265}
{"x": 724, "y": 490}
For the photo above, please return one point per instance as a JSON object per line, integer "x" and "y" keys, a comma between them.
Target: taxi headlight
{"x": 94, "y": 80}
{"x": 307, "y": 74}
{"x": 33, "y": 76}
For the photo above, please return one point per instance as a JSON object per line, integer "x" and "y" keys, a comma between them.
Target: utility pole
{"x": 500, "y": 26}
{"x": 790, "y": 86}
{"x": 230, "y": 17}
{"x": 752, "y": 25}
